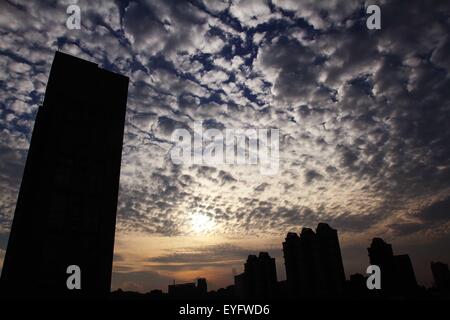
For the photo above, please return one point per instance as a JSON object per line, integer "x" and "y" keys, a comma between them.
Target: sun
{"x": 201, "y": 223}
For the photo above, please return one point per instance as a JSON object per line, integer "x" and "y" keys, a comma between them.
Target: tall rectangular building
{"x": 398, "y": 277}
{"x": 441, "y": 275}
{"x": 66, "y": 209}
{"x": 313, "y": 263}
{"x": 331, "y": 268}
{"x": 259, "y": 279}
{"x": 382, "y": 255}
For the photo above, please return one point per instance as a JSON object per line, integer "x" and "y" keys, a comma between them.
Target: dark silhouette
{"x": 405, "y": 277}
{"x": 356, "y": 286}
{"x": 397, "y": 271}
{"x": 66, "y": 208}
{"x": 189, "y": 290}
{"x": 314, "y": 270}
{"x": 313, "y": 263}
{"x": 441, "y": 276}
{"x": 381, "y": 254}
{"x": 259, "y": 279}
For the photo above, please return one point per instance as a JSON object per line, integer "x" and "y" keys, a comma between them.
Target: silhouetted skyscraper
{"x": 441, "y": 275}
{"x": 405, "y": 277}
{"x": 331, "y": 266}
{"x": 259, "y": 279}
{"x": 381, "y": 254}
{"x": 66, "y": 209}
{"x": 397, "y": 272}
{"x": 241, "y": 286}
{"x": 313, "y": 263}
{"x": 301, "y": 263}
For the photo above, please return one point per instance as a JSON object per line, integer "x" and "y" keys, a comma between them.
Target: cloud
{"x": 436, "y": 212}
{"x": 312, "y": 175}
{"x": 363, "y": 115}
{"x": 164, "y": 26}
{"x": 251, "y": 13}
{"x": 209, "y": 254}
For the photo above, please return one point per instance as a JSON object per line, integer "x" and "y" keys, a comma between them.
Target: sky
{"x": 363, "y": 117}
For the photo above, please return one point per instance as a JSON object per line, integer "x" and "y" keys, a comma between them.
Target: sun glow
{"x": 201, "y": 223}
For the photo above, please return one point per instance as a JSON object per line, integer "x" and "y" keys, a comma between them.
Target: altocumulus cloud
{"x": 365, "y": 140}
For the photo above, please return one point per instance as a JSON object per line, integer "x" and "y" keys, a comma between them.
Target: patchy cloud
{"x": 363, "y": 114}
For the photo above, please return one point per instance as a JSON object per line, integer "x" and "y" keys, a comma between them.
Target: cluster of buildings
{"x": 314, "y": 269}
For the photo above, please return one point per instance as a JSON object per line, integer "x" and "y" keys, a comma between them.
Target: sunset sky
{"x": 364, "y": 120}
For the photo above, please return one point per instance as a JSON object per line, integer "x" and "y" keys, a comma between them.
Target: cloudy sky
{"x": 363, "y": 116}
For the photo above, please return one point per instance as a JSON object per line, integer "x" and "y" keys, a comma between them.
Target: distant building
{"x": 202, "y": 286}
{"x": 66, "y": 209}
{"x": 259, "y": 279}
{"x": 381, "y": 254}
{"x": 241, "y": 288}
{"x": 331, "y": 267}
{"x": 188, "y": 290}
{"x": 313, "y": 263}
{"x": 282, "y": 290}
{"x": 397, "y": 272}
{"x": 301, "y": 263}
{"x": 441, "y": 275}
{"x": 406, "y": 282}
{"x": 227, "y": 293}
{"x": 356, "y": 286}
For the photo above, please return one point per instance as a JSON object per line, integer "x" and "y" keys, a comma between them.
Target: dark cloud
{"x": 437, "y": 212}
{"x": 406, "y": 228}
{"x": 208, "y": 254}
{"x": 226, "y": 177}
{"x": 312, "y": 175}
{"x": 261, "y": 187}
{"x": 292, "y": 67}
{"x": 357, "y": 222}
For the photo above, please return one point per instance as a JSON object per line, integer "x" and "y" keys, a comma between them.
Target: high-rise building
{"x": 331, "y": 267}
{"x": 405, "y": 277}
{"x": 302, "y": 263}
{"x": 397, "y": 272}
{"x": 241, "y": 287}
{"x": 441, "y": 275}
{"x": 66, "y": 208}
{"x": 313, "y": 263}
{"x": 259, "y": 279}
{"x": 381, "y": 255}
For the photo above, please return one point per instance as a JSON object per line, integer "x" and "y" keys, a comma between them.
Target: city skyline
{"x": 363, "y": 118}
{"x": 315, "y": 270}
